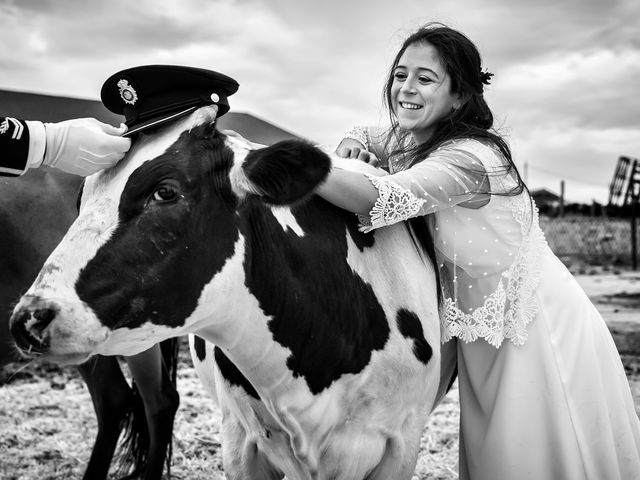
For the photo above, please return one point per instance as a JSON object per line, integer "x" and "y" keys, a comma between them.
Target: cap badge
{"x": 215, "y": 98}
{"x": 127, "y": 92}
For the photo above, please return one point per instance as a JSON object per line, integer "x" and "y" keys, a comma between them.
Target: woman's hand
{"x": 349, "y": 148}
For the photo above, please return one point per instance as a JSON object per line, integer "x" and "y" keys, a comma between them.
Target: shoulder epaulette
{"x": 14, "y": 146}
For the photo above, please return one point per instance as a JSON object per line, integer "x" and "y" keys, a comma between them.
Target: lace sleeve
{"x": 359, "y": 134}
{"x": 451, "y": 176}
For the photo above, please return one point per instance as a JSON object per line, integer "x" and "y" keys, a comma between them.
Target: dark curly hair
{"x": 473, "y": 119}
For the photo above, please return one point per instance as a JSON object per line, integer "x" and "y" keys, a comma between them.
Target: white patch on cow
{"x": 205, "y": 369}
{"x": 285, "y": 218}
{"x": 396, "y": 258}
{"x": 203, "y": 115}
{"x": 240, "y": 184}
{"x": 131, "y": 341}
{"x": 403, "y": 279}
{"x": 235, "y": 137}
{"x": 229, "y": 315}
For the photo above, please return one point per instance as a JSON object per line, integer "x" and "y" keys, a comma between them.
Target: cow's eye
{"x": 165, "y": 193}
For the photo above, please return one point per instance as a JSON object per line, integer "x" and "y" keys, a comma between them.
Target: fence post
{"x": 634, "y": 240}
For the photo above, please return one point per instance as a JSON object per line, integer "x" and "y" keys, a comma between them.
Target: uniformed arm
{"x": 81, "y": 146}
{"x": 21, "y": 145}
{"x": 450, "y": 176}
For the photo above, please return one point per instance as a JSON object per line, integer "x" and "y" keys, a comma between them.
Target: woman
{"x": 543, "y": 393}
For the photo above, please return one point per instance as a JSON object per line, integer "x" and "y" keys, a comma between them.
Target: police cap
{"x": 151, "y": 95}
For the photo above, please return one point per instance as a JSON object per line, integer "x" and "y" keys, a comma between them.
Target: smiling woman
{"x": 421, "y": 91}
{"x": 531, "y": 345}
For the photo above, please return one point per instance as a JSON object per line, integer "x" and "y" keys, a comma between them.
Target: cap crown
{"x": 150, "y": 95}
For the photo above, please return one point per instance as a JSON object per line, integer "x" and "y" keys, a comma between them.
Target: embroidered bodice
{"x": 487, "y": 245}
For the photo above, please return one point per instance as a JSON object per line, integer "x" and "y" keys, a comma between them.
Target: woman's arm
{"x": 451, "y": 176}
{"x": 351, "y": 190}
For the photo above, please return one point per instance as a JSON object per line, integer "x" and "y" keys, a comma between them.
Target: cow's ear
{"x": 287, "y": 171}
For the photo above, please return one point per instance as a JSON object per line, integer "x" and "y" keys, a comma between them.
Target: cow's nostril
{"x": 27, "y": 338}
{"x": 44, "y": 317}
{"x": 29, "y": 324}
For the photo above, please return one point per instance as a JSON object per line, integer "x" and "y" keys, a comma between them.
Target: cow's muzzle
{"x": 30, "y": 323}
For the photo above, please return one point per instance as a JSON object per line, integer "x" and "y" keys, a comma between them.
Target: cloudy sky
{"x": 565, "y": 90}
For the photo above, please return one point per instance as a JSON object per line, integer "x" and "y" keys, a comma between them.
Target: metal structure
{"x": 616, "y": 188}
{"x": 633, "y": 185}
{"x": 627, "y": 173}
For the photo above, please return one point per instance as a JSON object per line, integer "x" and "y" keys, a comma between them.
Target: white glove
{"x": 84, "y": 146}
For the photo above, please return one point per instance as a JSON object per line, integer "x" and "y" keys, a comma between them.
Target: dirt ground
{"x": 47, "y": 423}
{"x": 616, "y": 294}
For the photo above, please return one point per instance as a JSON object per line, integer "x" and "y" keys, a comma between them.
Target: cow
{"x": 35, "y": 212}
{"x": 319, "y": 343}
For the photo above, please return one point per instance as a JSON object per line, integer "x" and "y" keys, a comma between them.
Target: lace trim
{"x": 490, "y": 321}
{"x": 359, "y": 134}
{"x": 394, "y": 204}
{"x": 505, "y": 313}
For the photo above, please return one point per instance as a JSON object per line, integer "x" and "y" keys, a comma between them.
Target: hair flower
{"x": 485, "y": 77}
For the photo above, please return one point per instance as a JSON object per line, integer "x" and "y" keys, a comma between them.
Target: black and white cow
{"x": 327, "y": 354}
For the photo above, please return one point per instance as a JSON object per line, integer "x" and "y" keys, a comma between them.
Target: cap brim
{"x": 156, "y": 122}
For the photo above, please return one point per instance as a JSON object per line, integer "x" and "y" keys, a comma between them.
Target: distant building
{"x": 547, "y": 201}
{"x": 49, "y": 108}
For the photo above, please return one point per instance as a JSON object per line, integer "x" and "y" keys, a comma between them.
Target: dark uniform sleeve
{"x": 14, "y": 146}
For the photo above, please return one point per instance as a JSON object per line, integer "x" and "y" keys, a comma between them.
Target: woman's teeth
{"x": 410, "y": 106}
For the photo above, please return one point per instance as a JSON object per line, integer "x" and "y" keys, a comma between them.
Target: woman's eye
{"x": 400, "y": 76}
{"x": 164, "y": 193}
{"x": 422, "y": 79}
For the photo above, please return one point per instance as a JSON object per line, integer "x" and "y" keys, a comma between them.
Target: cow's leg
{"x": 161, "y": 402}
{"x": 401, "y": 453}
{"x": 241, "y": 458}
{"x": 112, "y": 399}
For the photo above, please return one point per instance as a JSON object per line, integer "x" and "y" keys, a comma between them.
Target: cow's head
{"x": 151, "y": 233}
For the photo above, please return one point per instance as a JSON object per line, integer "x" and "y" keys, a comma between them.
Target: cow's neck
{"x": 230, "y": 317}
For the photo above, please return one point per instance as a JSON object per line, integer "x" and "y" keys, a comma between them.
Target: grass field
{"x": 47, "y": 424}
{"x": 47, "y": 427}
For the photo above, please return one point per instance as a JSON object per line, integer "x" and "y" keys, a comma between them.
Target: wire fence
{"x": 595, "y": 240}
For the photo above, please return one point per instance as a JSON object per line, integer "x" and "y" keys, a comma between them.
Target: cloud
{"x": 521, "y": 31}
{"x": 565, "y": 71}
{"x": 571, "y": 115}
{"x": 592, "y": 89}
{"x": 584, "y": 158}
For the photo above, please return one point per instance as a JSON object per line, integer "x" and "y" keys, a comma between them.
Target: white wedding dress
{"x": 543, "y": 393}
